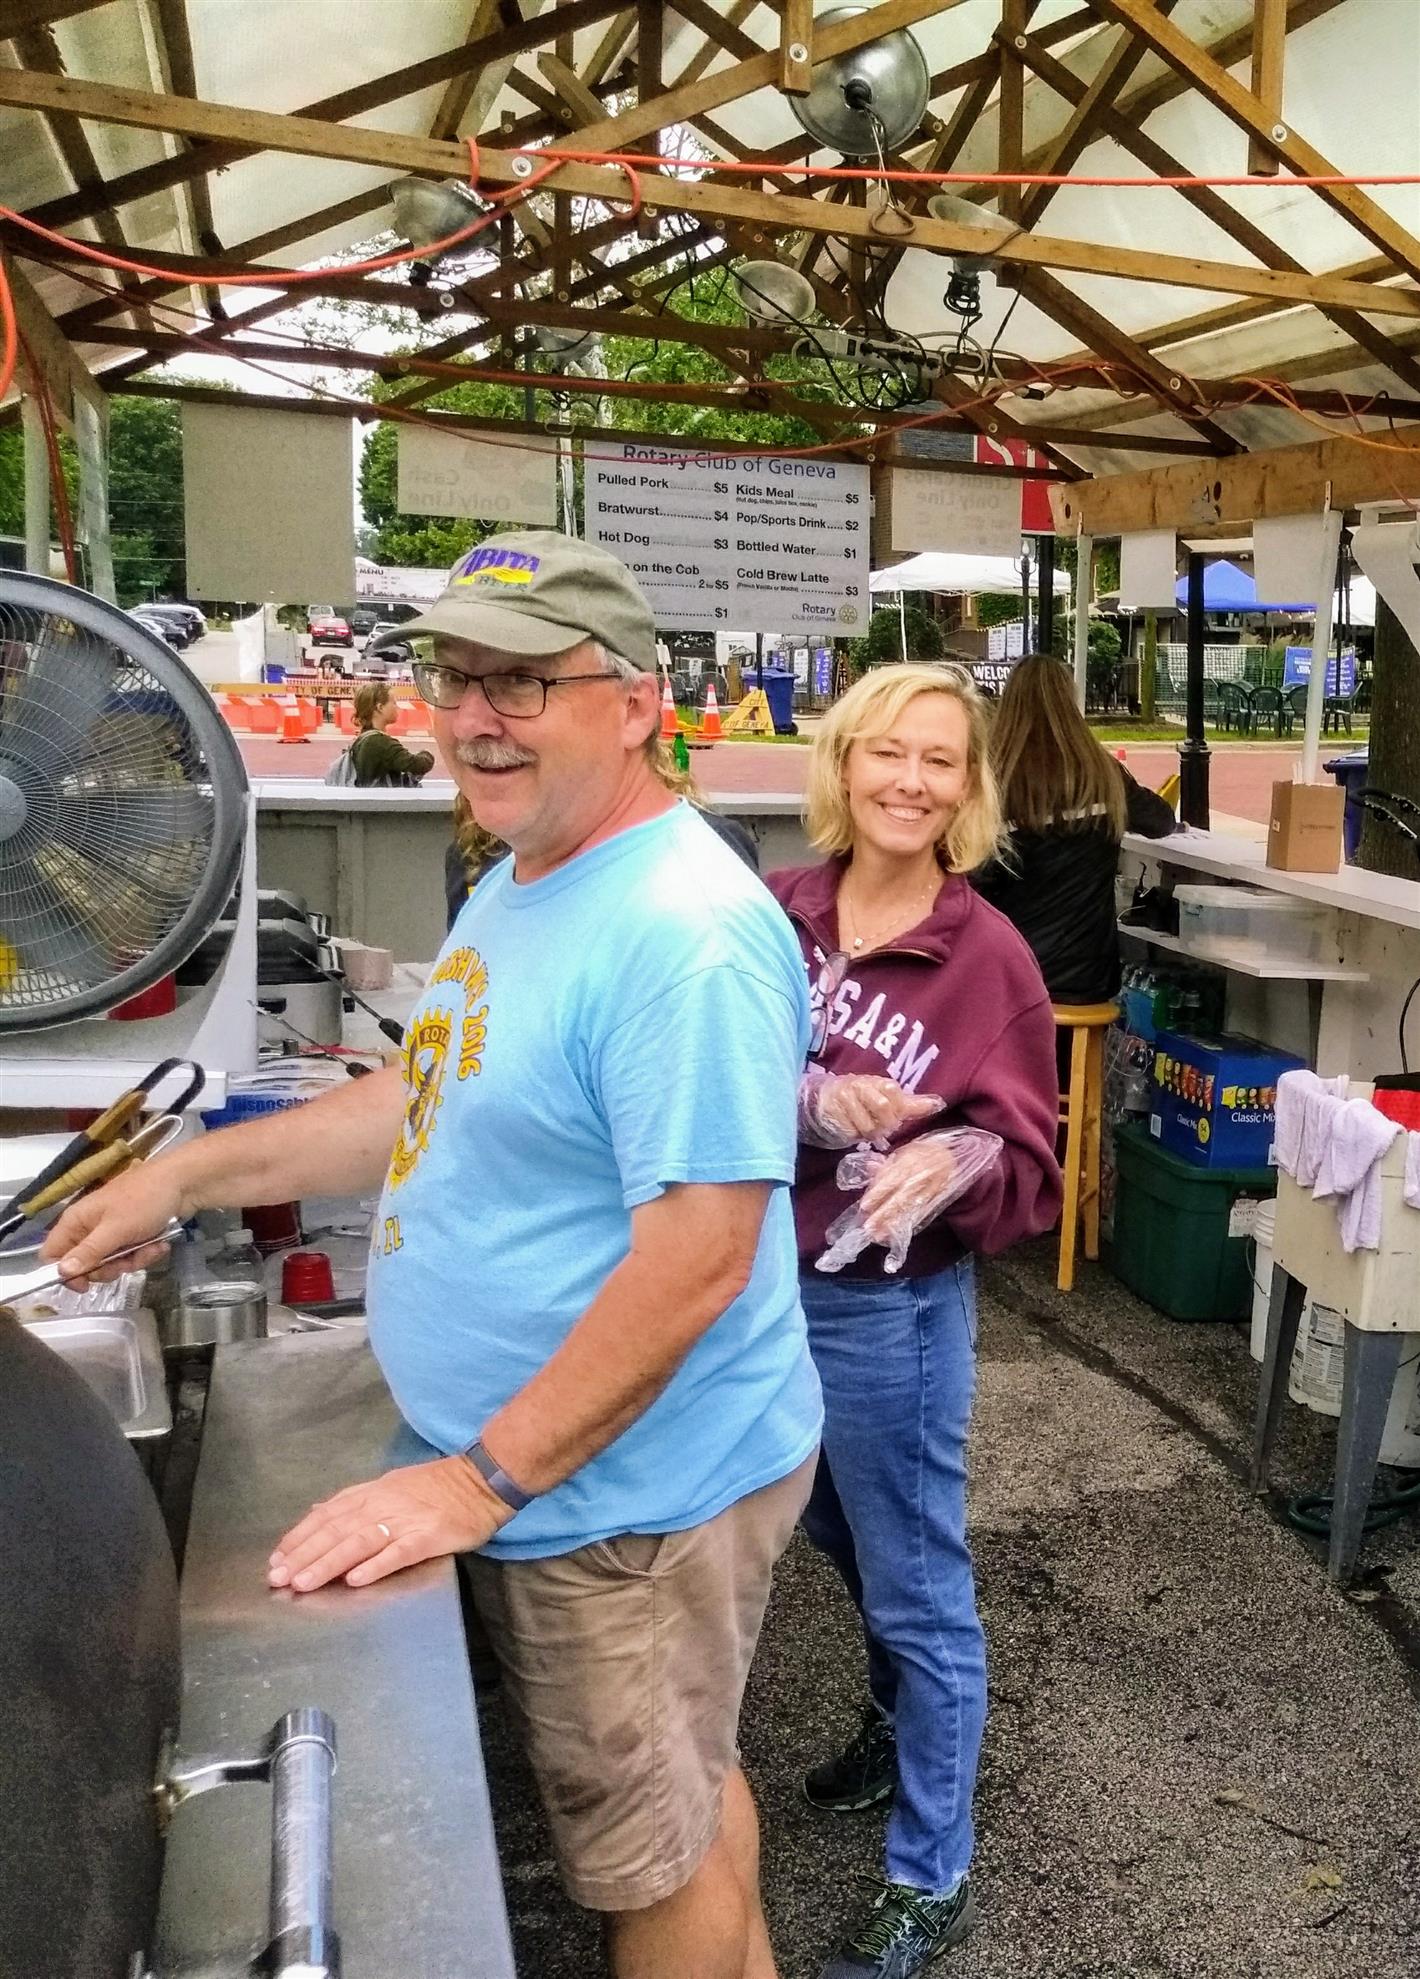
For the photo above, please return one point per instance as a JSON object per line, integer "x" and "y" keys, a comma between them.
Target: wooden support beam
{"x": 1227, "y": 51}
{"x": 611, "y": 49}
{"x": 37, "y": 50}
{"x": 1269, "y": 60}
{"x": 1216, "y": 208}
{"x": 66, "y": 376}
{"x": 700, "y": 61}
{"x": 777, "y": 213}
{"x": 1237, "y": 102}
{"x": 1092, "y": 106}
{"x": 796, "y": 29}
{"x": 1344, "y": 473}
{"x": 230, "y": 140}
{"x": 18, "y": 16}
{"x": 459, "y": 90}
{"x": 1011, "y": 107}
{"x": 1172, "y": 389}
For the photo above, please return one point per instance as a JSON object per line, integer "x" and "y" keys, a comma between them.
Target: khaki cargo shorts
{"x": 624, "y": 1664}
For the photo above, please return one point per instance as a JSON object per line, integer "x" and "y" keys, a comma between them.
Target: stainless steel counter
{"x": 417, "y": 1889}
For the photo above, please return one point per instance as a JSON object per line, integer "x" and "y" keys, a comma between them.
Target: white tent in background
{"x": 937, "y": 570}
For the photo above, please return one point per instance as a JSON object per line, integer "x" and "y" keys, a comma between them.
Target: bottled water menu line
{"x": 753, "y": 542}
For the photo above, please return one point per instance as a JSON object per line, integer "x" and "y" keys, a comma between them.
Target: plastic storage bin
{"x": 1179, "y": 1240}
{"x": 1251, "y": 923}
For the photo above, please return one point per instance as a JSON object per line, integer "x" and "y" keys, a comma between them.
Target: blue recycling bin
{"x": 1351, "y": 772}
{"x": 779, "y": 691}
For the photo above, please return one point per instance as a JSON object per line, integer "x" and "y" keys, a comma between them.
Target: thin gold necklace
{"x": 924, "y": 894}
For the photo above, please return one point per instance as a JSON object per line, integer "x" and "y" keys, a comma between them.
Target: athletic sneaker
{"x": 863, "y": 1775}
{"x": 905, "y": 1931}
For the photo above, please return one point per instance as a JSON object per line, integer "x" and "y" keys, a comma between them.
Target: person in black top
{"x": 1067, "y": 804}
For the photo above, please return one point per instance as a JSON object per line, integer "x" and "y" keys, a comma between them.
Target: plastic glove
{"x": 904, "y": 1190}
{"x": 839, "y": 1110}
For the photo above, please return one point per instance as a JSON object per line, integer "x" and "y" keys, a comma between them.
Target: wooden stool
{"x": 1081, "y": 1110}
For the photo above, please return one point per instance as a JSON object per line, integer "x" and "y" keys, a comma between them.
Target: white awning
{"x": 938, "y": 570}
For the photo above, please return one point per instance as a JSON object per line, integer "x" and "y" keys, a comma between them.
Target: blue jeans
{"x": 898, "y": 1364}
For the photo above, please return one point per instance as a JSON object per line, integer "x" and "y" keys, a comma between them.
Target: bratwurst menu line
{"x": 742, "y": 542}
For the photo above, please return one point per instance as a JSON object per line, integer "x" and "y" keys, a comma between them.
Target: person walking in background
{"x": 1067, "y": 804}
{"x": 929, "y": 1014}
{"x": 376, "y": 756}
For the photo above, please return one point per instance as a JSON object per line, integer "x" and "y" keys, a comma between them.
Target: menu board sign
{"x": 754, "y": 542}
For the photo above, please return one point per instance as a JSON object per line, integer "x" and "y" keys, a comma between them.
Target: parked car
{"x": 327, "y": 628}
{"x": 168, "y": 626}
{"x": 399, "y": 652}
{"x": 363, "y": 620}
{"x": 195, "y": 620}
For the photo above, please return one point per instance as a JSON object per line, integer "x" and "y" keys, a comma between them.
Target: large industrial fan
{"x": 124, "y": 828}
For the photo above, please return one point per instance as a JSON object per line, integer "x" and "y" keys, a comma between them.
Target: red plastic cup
{"x": 273, "y": 1226}
{"x": 306, "y": 1278}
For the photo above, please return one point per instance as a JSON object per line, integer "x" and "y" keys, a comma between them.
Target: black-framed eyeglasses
{"x": 517, "y": 695}
{"x": 827, "y": 984}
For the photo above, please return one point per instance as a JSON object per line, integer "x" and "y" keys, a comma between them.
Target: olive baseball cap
{"x": 536, "y": 592}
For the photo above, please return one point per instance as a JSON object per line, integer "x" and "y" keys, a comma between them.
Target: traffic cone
{"x": 1121, "y": 755}
{"x": 710, "y": 729}
{"x": 669, "y": 724}
{"x": 293, "y": 729}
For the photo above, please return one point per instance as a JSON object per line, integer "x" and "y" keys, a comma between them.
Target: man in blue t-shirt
{"x": 583, "y": 1285}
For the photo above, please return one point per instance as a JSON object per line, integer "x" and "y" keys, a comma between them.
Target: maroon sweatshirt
{"x": 955, "y": 1006}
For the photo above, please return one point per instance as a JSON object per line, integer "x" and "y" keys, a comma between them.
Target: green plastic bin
{"x": 1171, "y": 1225}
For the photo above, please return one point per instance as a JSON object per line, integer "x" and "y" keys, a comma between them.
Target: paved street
{"x": 1241, "y": 774}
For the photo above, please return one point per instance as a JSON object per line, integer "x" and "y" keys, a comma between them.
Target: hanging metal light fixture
{"x": 428, "y": 210}
{"x": 870, "y": 99}
{"x": 773, "y": 294}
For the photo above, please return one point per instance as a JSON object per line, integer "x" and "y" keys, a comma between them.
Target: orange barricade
{"x": 265, "y": 719}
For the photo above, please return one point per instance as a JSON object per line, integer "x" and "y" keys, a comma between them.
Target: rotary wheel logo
{"x": 1204, "y": 1132}
{"x": 426, "y": 1054}
{"x": 848, "y": 615}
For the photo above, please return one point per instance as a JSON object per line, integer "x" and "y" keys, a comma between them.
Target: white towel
{"x": 1321, "y": 1100}
{"x": 1412, "y": 1170}
{"x": 1358, "y": 1137}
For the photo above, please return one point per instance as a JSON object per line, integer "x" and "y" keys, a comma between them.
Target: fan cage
{"x": 122, "y": 806}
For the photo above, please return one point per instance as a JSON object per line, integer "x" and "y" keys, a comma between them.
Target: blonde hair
{"x": 869, "y": 709}
{"x": 1052, "y": 772}
{"x": 369, "y": 699}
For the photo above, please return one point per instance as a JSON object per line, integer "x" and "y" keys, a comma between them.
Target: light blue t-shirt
{"x": 635, "y": 1019}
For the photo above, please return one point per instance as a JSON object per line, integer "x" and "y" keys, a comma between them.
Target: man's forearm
{"x": 607, "y": 1372}
{"x": 334, "y": 1145}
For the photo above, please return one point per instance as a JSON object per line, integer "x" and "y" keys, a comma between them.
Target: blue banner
{"x": 1297, "y": 670}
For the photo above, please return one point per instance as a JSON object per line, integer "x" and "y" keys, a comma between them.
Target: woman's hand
{"x": 904, "y": 1190}
{"x": 839, "y": 1110}
{"x": 370, "y": 1530}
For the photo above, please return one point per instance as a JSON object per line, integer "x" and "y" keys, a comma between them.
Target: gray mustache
{"x": 484, "y": 752}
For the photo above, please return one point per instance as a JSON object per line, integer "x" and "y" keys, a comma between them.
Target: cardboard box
{"x": 1213, "y": 1101}
{"x": 1304, "y": 829}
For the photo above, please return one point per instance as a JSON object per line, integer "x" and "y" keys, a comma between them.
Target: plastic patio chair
{"x": 1336, "y": 712}
{"x": 1269, "y": 704}
{"x": 1235, "y": 707}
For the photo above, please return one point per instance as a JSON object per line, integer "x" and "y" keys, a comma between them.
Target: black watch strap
{"x": 497, "y": 1480}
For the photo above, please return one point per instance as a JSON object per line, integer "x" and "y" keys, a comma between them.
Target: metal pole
{"x": 1084, "y": 587}
{"x": 1321, "y": 644}
{"x": 1045, "y": 592}
{"x": 1193, "y": 753}
{"x": 1026, "y": 646}
{"x": 902, "y": 623}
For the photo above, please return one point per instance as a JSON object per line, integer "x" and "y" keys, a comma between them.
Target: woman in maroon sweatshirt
{"x": 929, "y": 1014}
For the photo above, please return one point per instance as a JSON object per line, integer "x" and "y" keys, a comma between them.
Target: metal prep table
{"x": 416, "y": 1887}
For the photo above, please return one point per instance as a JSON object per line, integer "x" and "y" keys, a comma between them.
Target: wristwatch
{"x": 497, "y": 1479}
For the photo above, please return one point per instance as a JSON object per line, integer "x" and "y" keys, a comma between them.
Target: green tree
{"x": 882, "y": 642}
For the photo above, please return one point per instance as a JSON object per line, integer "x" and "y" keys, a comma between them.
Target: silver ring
{"x": 385, "y": 1530}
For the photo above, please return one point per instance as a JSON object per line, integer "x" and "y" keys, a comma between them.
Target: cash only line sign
{"x": 743, "y": 542}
